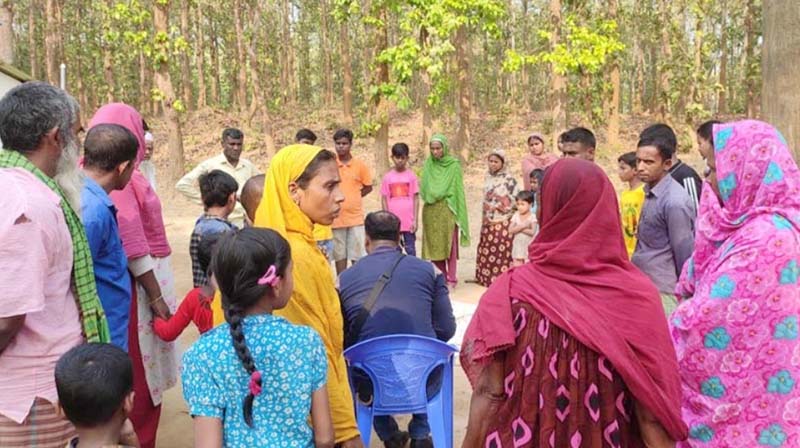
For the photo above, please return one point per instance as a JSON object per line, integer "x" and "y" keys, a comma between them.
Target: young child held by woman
{"x": 254, "y": 380}
{"x": 523, "y": 226}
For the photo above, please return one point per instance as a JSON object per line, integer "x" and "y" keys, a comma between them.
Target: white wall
{"x": 6, "y": 83}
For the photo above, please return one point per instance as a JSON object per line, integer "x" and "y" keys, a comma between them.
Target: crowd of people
{"x": 666, "y": 316}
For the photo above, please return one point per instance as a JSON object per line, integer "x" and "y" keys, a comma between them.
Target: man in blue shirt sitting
{"x": 415, "y": 301}
{"x": 109, "y": 160}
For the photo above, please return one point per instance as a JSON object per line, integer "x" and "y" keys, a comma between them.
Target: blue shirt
{"x": 108, "y": 256}
{"x": 665, "y": 234}
{"x": 293, "y": 364}
{"x": 415, "y": 301}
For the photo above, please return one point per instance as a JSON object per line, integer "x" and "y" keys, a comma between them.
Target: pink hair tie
{"x": 269, "y": 278}
{"x": 255, "y": 383}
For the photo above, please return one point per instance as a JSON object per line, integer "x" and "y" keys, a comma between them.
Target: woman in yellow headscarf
{"x": 302, "y": 189}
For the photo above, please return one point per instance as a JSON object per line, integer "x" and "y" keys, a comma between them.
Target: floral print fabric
{"x": 293, "y": 364}
{"x": 736, "y": 331}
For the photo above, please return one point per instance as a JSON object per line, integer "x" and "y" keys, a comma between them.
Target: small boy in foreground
{"x": 95, "y": 391}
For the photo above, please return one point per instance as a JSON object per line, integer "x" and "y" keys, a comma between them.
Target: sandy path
{"x": 175, "y": 429}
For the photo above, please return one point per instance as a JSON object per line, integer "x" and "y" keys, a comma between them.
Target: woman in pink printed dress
{"x": 736, "y": 331}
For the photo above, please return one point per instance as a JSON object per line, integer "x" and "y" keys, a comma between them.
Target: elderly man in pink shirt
{"x": 48, "y": 300}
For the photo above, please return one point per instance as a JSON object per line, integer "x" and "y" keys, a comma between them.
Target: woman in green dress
{"x": 444, "y": 211}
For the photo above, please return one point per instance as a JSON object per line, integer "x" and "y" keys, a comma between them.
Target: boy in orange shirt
{"x": 348, "y": 228}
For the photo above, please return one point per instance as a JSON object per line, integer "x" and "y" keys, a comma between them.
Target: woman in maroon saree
{"x": 572, "y": 349}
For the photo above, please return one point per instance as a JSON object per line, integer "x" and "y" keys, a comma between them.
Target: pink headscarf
{"x": 736, "y": 337}
{"x": 141, "y": 225}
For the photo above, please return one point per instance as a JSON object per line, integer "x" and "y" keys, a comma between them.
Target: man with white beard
{"x": 48, "y": 298}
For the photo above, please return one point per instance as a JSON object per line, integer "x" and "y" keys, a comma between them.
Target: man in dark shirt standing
{"x": 415, "y": 301}
{"x": 666, "y": 224}
{"x": 685, "y": 175}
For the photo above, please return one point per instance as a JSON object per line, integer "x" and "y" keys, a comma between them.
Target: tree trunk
{"x": 33, "y": 49}
{"x": 780, "y": 94}
{"x": 379, "y": 105}
{"x": 174, "y": 166}
{"x": 557, "y": 82}
{"x": 749, "y": 50}
{"x": 51, "y": 42}
{"x": 241, "y": 60}
{"x": 199, "y": 59}
{"x": 664, "y": 105}
{"x": 108, "y": 72}
{"x": 327, "y": 69}
{"x": 347, "y": 74}
{"x": 144, "y": 83}
{"x": 186, "y": 72}
{"x": 6, "y": 32}
{"x": 215, "y": 84}
{"x": 637, "y": 99}
{"x": 425, "y": 91}
{"x": 259, "y": 103}
{"x": 613, "y": 106}
{"x": 287, "y": 54}
{"x": 463, "y": 137}
{"x": 722, "y": 101}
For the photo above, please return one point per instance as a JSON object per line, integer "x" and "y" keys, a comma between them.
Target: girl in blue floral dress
{"x": 255, "y": 380}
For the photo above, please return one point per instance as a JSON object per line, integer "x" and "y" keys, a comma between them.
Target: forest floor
{"x": 201, "y": 135}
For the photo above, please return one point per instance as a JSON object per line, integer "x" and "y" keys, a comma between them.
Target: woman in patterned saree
{"x": 737, "y": 338}
{"x": 572, "y": 349}
{"x": 499, "y": 198}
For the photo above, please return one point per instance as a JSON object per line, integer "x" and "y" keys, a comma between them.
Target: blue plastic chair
{"x": 399, "y": 366}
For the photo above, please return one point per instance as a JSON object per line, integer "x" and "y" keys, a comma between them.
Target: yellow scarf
{"x": 314, "y": 301}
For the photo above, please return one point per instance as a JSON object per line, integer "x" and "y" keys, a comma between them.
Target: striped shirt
{"x": 688, "y": 178}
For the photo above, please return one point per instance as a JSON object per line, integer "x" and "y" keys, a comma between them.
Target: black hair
{"x": 343, "y": 133}
{"x": 108, "y": 145}
{"x": 92, "y": 381}
{"x": 662, "y": 137}
{"x": 527, "y": 196}
{"x": 145, "y": 126}
{"x": 313, "y": 167}
{"x": 205, "y": 250}
{"x": 629, "y": 158}
{"x": 305, "y": 134}
{"x": 400, "y": 150}
{"x": 579, "y": 135}
{"x": 232, "y": 133}
{"x": 241, "y": 258}
{"x": 216, "y": 187}
{"x": 382, "y": 225}
{"x": 537, "y": 174}
{"x": 706, "y": 130}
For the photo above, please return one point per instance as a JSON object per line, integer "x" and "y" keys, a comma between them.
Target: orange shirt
{"x": 355, "y": 175}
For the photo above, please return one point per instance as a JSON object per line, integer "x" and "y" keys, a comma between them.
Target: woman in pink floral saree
{"x": 736, "y": 329}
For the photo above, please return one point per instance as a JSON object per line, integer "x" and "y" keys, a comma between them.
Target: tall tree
{"x": 241, "y": 65}
{"x": 325, "y": 45}
{"x": 614, "y": 104}
{"x": 33, "y": 53}
{"x": 51, "y": 44}
{"x": 463, "y": 139}
{"x": 199, "y": 56}
{"x": 166, "y": 92}
{"x": 379, "y": 104}
{"x": 780, "y": 100}
{"x": 6, "y": 32}
{"x": 347, "y": 71}
{"x": 722, "y": 94}
{"x": 186, "y": 74}
{"x": 558, "y": 83}
{"x": 259, "y": 103}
